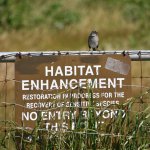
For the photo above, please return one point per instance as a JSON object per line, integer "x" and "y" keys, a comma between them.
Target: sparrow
{"x": 93, "y": 40}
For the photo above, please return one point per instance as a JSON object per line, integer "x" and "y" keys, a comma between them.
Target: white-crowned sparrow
{"x": 93, "y": 41}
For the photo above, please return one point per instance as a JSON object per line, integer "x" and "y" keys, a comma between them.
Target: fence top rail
{"x": 135, "y": 55}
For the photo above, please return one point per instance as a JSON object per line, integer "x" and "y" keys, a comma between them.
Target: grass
{"x": 130, "y": 131}
{"x": 62, "y": 25}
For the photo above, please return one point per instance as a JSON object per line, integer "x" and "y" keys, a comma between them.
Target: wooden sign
{"x": 56, "y": 90}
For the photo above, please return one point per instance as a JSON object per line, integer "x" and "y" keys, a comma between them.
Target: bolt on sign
{"x": 57, "y": 91}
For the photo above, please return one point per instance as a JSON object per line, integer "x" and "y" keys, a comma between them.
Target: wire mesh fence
{"x": 140, "y": 71}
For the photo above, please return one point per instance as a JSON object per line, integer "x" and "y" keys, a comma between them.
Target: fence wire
{"x": 140, "y": 66}
{"x": 135, "y": 55}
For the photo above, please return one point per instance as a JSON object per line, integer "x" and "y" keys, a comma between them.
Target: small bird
{"x": 93, "y": 40}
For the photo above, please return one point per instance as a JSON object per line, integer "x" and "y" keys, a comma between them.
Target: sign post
{"x": 60, "y": 89}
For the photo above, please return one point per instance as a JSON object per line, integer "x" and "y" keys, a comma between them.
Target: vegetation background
{"x": 27, "y": 25}
{"x": 65, "y": 24}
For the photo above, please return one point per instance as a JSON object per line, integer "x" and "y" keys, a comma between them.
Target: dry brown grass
{"x": 115, "y": 33}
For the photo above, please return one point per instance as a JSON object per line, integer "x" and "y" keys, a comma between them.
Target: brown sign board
{"x": 57, "y": 89}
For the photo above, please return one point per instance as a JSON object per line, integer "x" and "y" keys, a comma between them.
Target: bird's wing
{"x": 89, "y": 42}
